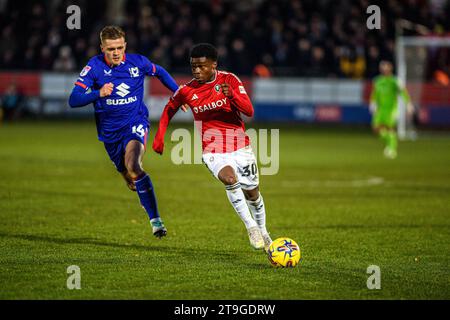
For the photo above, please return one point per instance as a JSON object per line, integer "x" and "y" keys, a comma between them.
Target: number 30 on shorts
{"x": 139, "y": 130}
{"x": 249, "y": 170}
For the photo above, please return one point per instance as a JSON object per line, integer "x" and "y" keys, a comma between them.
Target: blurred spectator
{"x": 80, "y": 49}
{"x": 46, "y": 59}
{"x": 7, "y": 60}
{"x": 373, "y": 61}
{"x": 441, "y": 77}
{"x": 29, "y": 59}
{"x": 264, "y": 69}
{"x": 353, "y": 64}
{"x": 239, "y": 57}
{"x": 261, "y": 71}
{"x": 64, "y": 62}
{"x": 302, "y": 37}
{"x": 318, "y": 66}
{"x": 10, "y": 103}
{"x": 303, "y": 56}
{"x": 224, "y": 60}
{"x": 180, "y": 58}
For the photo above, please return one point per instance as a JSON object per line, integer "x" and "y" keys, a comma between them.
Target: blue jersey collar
{"x": 110, "y": 65}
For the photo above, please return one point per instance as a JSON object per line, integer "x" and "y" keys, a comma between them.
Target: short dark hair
{"x": 112, "y": 33}
{"x": 204, "y": 50}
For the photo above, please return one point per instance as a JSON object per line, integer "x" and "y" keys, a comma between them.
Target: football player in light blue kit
{"x": 114, "y": 83}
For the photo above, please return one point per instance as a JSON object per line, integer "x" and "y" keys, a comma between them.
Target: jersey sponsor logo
{"x": 210, "y": 106}
{"x": 134, "y": 72}
{"x": 116, "y": 102}
{"x": 194, "y": 97}
{"x": 85, "y": 71}
{"x": 122, "y": 89}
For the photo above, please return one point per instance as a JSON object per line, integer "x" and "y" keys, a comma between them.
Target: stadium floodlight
{"x": 412, "y": 58}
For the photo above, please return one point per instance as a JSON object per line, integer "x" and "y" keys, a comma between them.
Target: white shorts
{"x": 243, "y": 161}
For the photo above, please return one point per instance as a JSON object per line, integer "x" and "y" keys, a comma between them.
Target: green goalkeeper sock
{"x": 384, "y": 135}
{"x": 392, "y": 140}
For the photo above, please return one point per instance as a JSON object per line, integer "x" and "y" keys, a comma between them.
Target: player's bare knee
{"x": 229, "y": 180}
{"x": 227, "y": 176}
{"x": 251, "y": 195}
{"x": 134, "y": 169}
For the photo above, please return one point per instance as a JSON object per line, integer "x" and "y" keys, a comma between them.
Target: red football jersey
{"x": 216, "y": 116}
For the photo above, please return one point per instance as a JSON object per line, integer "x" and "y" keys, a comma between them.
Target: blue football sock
{"x": 147, "y": 196}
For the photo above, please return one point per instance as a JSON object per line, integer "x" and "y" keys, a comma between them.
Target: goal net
{"x": 423, "y": 65}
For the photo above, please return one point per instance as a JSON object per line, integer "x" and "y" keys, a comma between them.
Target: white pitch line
{"x": 359, "y": 183}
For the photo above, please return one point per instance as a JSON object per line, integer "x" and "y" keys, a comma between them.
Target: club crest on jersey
{"x": 134, "y": 72}
{"x": 217, "y": 87}
{"x": 85, "y": 71}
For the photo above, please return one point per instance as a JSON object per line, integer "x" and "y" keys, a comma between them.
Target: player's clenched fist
{"x": 226, "y": 89}
{"x": 158, "y": 144}
{"x": 106, "y": 90}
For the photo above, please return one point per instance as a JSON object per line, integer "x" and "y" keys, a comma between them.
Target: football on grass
{"x": 284, "y": 252}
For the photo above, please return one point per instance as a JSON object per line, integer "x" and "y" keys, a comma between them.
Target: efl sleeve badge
{"x": 85, "y": 71}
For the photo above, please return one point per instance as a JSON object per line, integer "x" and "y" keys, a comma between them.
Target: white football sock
{"x": 259, "y": 213}
{"x": 237, "y": 200}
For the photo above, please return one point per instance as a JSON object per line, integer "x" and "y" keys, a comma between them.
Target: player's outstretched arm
{"x": 407, "y": 99}
{"x": 165, "y": 78}
{"x": 79, "y": 97}
{"x": 171, "y": 108}
{"x": 169, "y": 111}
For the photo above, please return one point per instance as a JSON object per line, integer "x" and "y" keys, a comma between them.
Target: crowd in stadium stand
{"x": 306, "y": 38}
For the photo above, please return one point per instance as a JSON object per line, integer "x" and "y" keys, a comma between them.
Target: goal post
{"x": 412, "y": 59}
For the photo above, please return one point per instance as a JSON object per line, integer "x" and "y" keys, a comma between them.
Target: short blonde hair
{"x": 112, "y": 33}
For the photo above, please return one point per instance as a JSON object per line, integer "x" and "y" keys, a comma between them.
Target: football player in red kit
{"x": 217, "y": 99}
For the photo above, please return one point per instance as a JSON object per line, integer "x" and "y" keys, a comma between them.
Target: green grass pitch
{"x": 62, "y": 204}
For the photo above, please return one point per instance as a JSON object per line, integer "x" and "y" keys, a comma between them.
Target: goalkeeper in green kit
{"x": 383, "y": 106}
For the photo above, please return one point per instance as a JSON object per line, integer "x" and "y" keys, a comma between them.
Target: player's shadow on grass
{"x": 70, "y": 195}
{"x": 85, "y": 240}
{"x": 95, "y": 242}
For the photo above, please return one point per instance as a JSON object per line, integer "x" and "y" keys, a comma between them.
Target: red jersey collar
{"x": 215, "y": 78}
